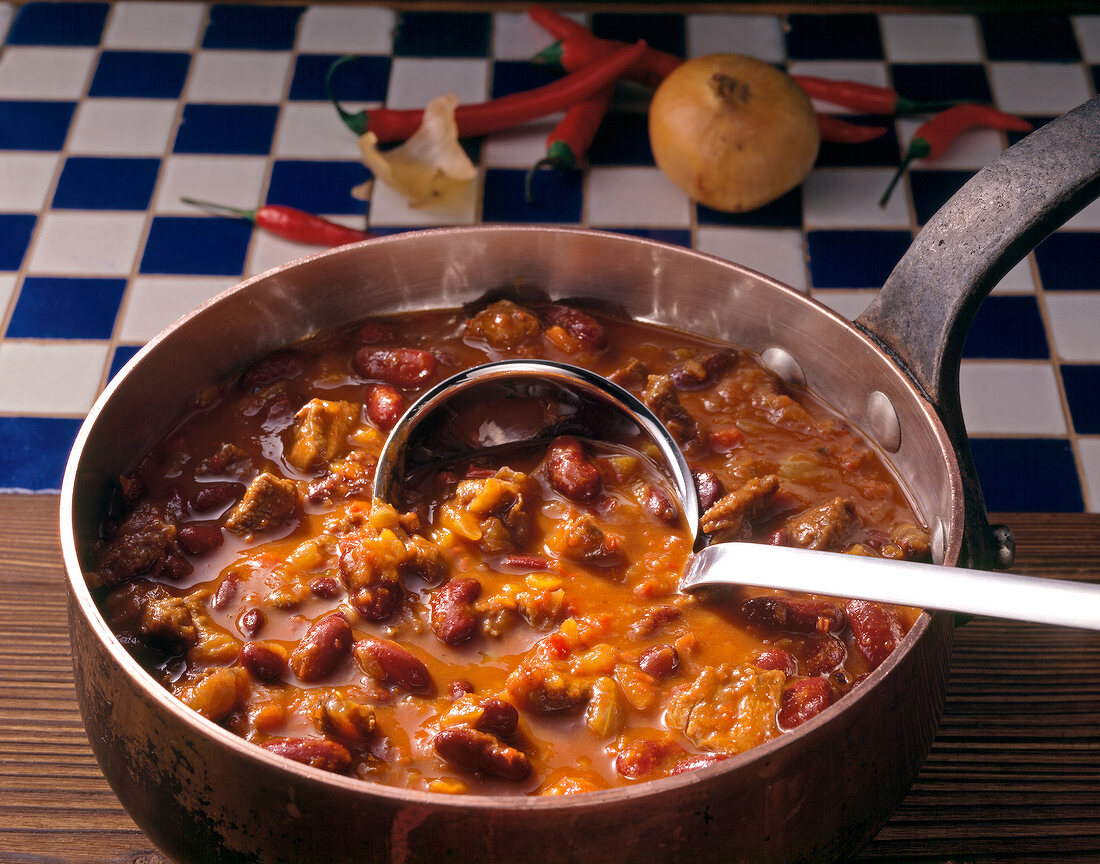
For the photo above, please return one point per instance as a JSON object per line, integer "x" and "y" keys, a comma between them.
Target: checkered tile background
{"x": 110, "y": 112}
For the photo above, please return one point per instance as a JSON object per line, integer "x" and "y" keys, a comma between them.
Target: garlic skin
{"x": 430, "y": 166}
{"x": 732, "y": 132}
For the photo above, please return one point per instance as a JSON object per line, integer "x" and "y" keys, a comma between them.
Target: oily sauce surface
{"x": 513, "y": 627}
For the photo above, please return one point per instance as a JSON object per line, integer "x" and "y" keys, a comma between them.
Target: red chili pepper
{"x": 484, "y": 118}
{"x": 290, "y": 223}
{"x": 576, "y": 51}
{"x": 573, "y": 135}
{"x": 865, "y": 97}
{"x": 839, "y": 131}
{"x": 557, "y": 25}
{"x": 934, "y": 136}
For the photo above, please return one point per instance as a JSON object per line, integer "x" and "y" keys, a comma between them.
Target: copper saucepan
{"x": 204, "y": 795}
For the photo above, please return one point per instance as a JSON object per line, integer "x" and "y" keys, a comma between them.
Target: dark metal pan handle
{"x": 923, "y": 312}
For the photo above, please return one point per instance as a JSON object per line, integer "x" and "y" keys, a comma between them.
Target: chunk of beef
{"x": 345, "y": 478}
{"x": 503, "y": 325}
{"x": 579, "y": 537}
{"x": 661, "y": 398}
{"x": 320, "y": 433}
{"x": 727, "y": 708}
{"x": 268, "y": 503}
{"x": 728, "y": 517}
{"x": 822, "y": 527}
{"x": 143, "y": 536}
{"x": 490, "y": 511}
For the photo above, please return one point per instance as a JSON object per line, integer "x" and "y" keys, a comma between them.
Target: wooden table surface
{"x": 1014, "y": 774}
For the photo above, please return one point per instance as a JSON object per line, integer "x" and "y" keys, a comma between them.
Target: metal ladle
{"x": 470, "y": 412}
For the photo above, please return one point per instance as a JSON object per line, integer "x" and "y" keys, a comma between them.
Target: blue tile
{"x": 1082, "y": 384}
{"x": 1007, "y": 328}
{"x": 881, "y": 151}
{"x": 140, "y": 74}
{"x": 556, "y": 196}
{"x": 783, "y": 212}
{"x": 854, "y": 259}
{"x": 675, "y": 236}
{"x": 94, "y": 183}
{"x": 931, "y": 189}
{"x": 121, "y": 356}
{"x": 362, "y": 79}
{"x": 35, "y": 451}
{"x": 50, "y": 23}
{"x": 198, "y": 246}
{"x": 517, "y": 76}
{"x": 317, "y": 187}
{"x": 66, "y": 308}
{"x": 254, "y": 28}
{"x": 622, "y": 139}
{"x": 665, "y": 32}
{"x": 34, "y": 125}
{"x": 442, "y": 34}
{"x": 933, "y": 82}
{"x": 240, "y": 129}
{"x": 1026, "y": 475}
{"x": 833, "y": 37}
{"x": 1025, "y": 38}
{"x": 1069, "y": 261}
{"x": 15, "y": 236}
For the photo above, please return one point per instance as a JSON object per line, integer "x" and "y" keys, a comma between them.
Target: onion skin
{"x": 732, "y": 132}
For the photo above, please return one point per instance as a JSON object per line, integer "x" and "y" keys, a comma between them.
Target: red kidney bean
{"x": 875, "y": 628}
{"x": 374, "y": 332}
{"x": 481, "y": 753}
{"x": 401, "y": 367}
{"x": 322, "y": 648}
{"x": 694, "y": 763}
{"x": 708, "y": 486}
{"x": 822, "y": 656}
{"x": 251, "y": 622}
{"x": 645, "y": 756}
{"x": 658, "y": 505}
{"x": 776, "y": 658}
{"x": 453, "y": 619}
{"x": 525, "y": 561}
{"x": 459, "y": 687}
{"x": 582, "y": 326}
{"x": 498, "y": 717}
{"x": 804, "y": 699}
{"x": 570, "y": 472}
{"x": 225, "y": 592}
{"x": 385, "y": 405}
{"x": 276, "y": 366}
{"x": 196, "y": 538}
{"x": 266, "y": 661}
{"x": 326, "y": 587}
{"x": 216, "y": 496}
{"x": 390, "y": 663}
{"x": 653, "y": 620}
{"x": 795, "y": 615}
{"x": 320, "y": 753}
{"x": 660, "y": 661}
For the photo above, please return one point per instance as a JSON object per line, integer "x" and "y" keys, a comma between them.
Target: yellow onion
{"x": 732, "y": 132}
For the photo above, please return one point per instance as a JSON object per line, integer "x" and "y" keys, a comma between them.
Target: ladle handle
{"x": 926, "y": 586}
{"x": 922, "y": 314}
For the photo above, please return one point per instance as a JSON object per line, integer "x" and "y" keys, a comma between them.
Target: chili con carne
{"x": 290, "y": 223}
{"x": 934, "y": 136}
{"x": 393, "y": 124}
{"x": 866, "y": 97}
{"x": 571, "y": 138}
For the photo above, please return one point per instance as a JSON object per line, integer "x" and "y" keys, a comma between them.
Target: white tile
{"x": 519, "y": 147}
{"x": 848, "y": 198}
{"x": 87, "y": 244}
{"x": 270, "y": 251}
{"x": 759, "y": 36}
{"x": 1038, "y": 88}
{"x": 233, "y": 181}
{"x": 25, "y": 179}
{"x": 1089, "y": 450}
{"x": 1075, "y": 324}
{"x": 415, "y": 81}
{"x": 850, "y": 304}
{"x": 621, "y": 197}
{"x": 239, "y": 76}
{"x": 1010, "y": 399}
{"x": 863, "y": 71}
{"x": 1019, "y": 280}
{"x": 161, "y": 26}
{"x": 153, "y": 303}
{"x": 931, "y": 38}
{"x": 390, "y": 208}
{"x": 346, "y": 30}
{"x": 44, "y": 72}
{"x": 517, "y": 37}
{"x": 131, "y": 127}
{"x": 6, "y": 14}
{"x": 313, "y": 130}
{"x": 1087, "y": 29}
{"x": 50, "y": 377}
{"x": 7, "y": 289}
{"x": 1089, "y": 217}
{"x": 775, "y": 252}
{"x": 972, "y": 149}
